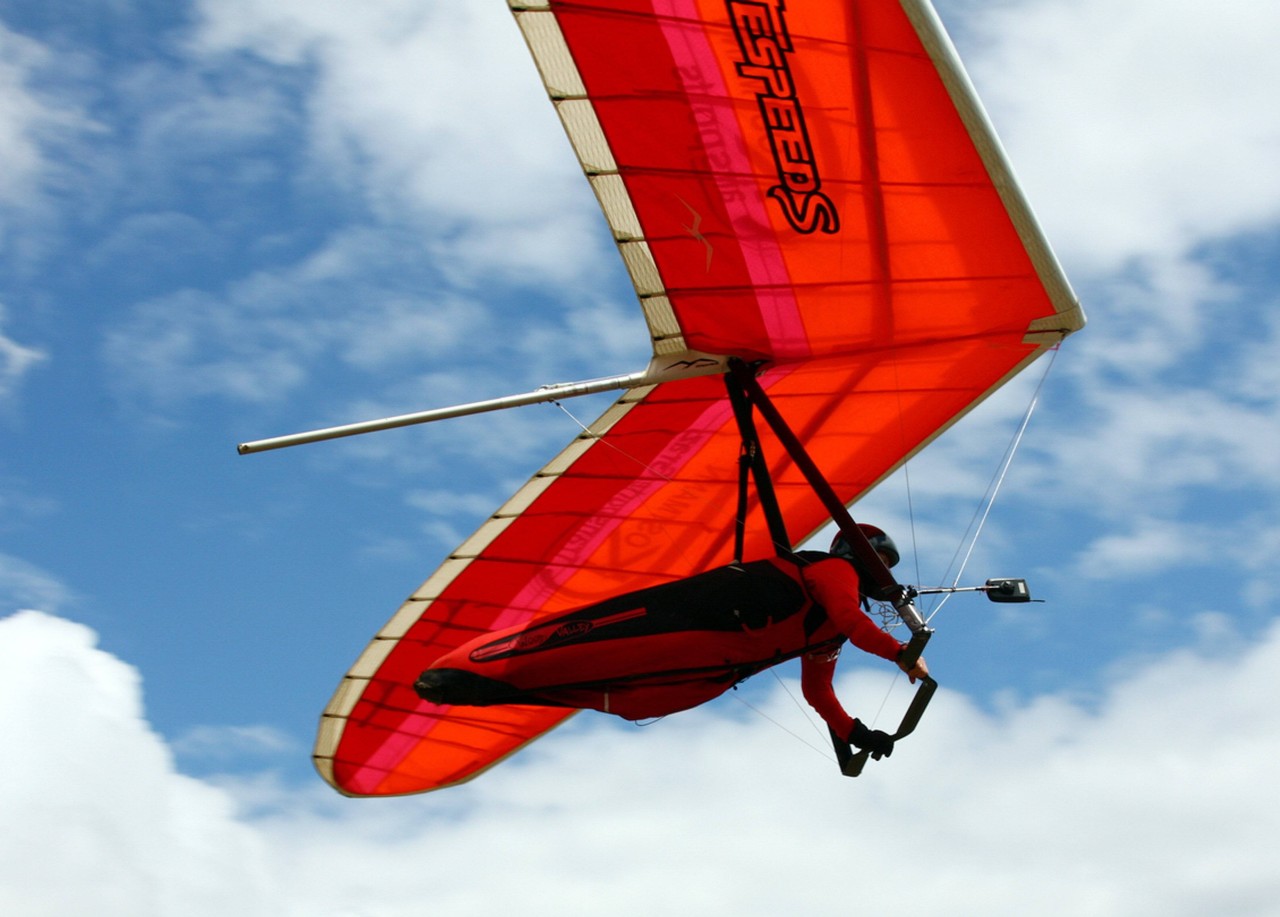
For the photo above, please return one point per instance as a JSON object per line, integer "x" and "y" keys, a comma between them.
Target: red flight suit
{"x": 675, "y": 646}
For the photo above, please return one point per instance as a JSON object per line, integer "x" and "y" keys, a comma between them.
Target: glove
{"x": 879, "y": 743}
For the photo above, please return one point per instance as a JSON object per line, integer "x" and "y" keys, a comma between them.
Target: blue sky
{"x": 229, "y": 219}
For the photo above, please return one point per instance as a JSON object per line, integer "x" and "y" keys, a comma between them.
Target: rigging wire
{"x": 983, "y": 511}
{"x": 906, "y": 466}
{"x": 822, "y": 750}
{"x": 888, "y": 692}
{"x": 799, "y": 706}
{"x": 599, "y": 437}
{"x": 808, "y": 716}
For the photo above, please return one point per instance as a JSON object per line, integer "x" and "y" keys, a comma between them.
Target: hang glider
{"x": 809, "y": 188}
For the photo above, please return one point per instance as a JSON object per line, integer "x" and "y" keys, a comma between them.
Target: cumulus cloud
{"x": 99, "y": 819}
{"x": 1138, "y": 800}
{"x": 1142, "y": 129}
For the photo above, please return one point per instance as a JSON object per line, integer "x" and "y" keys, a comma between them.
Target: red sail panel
{"x": 807, "y": 191}
{"x": 805, "y": 182}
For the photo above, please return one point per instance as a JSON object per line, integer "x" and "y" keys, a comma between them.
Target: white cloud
{"x": 190, "y": 345}
{"x": 21, "y": 118}
{"x": 223, "y": 745}
{"x": 1150, "y": 546}
{"x": 1151, "y": 316}
{"x": 15, "y": 361}
{"x": 449, "y": 502}
{"x": 405, "y": 329}
{"x": 350, "y": 300}
{"x": 193, "y": 116}
{"x": 1150, "y": 448}
{"x": 1259, "y": 545}
{"x": 23, "y": 584}
{"x": 440, "y": 123}
{"x": 1140, "y": 129}
{"x": 597, "y": 333}
{"x": 35, "y": 122}
{"x": 433, "y": 115}
{"x": 1148, "y": 791}
{"x": 1254, "y": 375}
{"x": 99, "y": 821}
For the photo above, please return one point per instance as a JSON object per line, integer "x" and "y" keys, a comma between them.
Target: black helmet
{"x": 879, "y": 540}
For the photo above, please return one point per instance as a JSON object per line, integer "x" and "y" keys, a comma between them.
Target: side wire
{"x": 822, "y": 750}
{"x": 799, "y": 706}
{"x": 906, "y": 469}
{"x": 979, "y": 520}
{"x": 599, "y": 437}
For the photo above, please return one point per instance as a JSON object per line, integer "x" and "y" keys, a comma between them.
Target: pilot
{"x": 671, "y": 647}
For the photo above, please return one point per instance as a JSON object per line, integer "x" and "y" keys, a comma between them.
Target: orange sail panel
{"x": 809, "y": 185}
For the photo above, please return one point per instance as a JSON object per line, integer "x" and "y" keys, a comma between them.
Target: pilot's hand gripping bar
{"x": 851, "y": 762}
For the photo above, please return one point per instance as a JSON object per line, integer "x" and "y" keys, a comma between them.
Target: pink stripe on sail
{"x": 740, "y": 195}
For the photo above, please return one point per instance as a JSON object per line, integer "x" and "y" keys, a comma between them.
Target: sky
{"x": 228, "y": 219}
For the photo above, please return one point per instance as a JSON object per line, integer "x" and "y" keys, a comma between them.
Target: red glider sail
{"x": 811, "y": 185}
